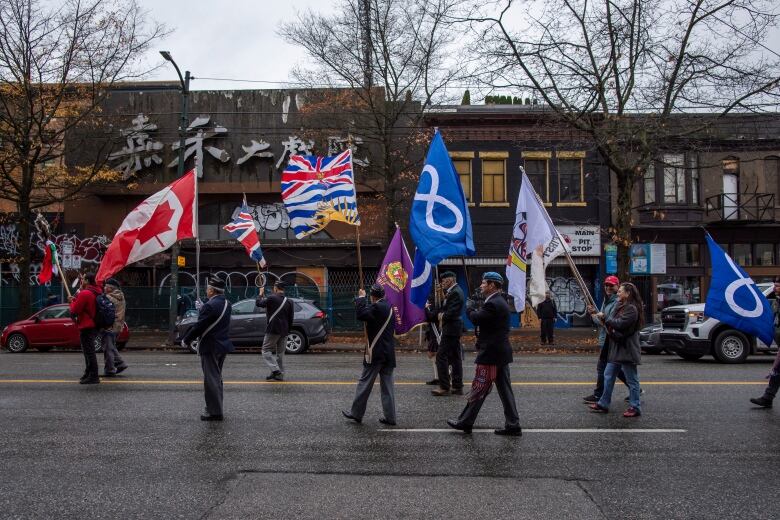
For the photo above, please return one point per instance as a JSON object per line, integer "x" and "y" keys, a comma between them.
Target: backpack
{"x": 105, "y": 312}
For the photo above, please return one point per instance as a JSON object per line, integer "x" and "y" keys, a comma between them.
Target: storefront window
{"x": 678, "y": 290}
{"x": 765, "y": 254}
{"x": 671, "y": 256}
{"x": 741, "y": 254}
{"x": 687, "y": 255}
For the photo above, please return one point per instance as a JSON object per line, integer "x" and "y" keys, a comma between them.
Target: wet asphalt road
{"x": 134, "y": 447}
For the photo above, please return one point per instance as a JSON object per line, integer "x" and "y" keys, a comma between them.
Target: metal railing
{"x": 742, "y": 206}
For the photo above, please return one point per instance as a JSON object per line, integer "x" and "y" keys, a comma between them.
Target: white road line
{"x": 541, "y": 430}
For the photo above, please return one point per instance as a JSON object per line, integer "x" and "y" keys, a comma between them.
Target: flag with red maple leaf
{"x": 153, "y": 226}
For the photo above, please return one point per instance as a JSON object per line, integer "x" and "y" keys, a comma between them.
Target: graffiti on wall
{"x": 236, "y": 280}
{"x": 267, "y": 216}
{"x": 568, "y": 297}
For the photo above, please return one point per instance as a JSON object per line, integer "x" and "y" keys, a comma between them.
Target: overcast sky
{"x": 230, "y": 39}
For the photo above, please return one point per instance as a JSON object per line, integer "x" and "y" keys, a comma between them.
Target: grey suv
{"x": 248, "y": 323}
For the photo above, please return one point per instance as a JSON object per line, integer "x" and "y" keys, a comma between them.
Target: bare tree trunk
{"x": 622, "y": 237}
{"x": 26, "y": 248}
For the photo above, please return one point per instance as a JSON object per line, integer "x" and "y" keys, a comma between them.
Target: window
{"x": 570, "y": 180}
{"x": 688, "y": 255}
{"x": 463, "y": 167}
{"x": 673, "y": 178}
{"x": 765, "y": 254}
{"x": 649, "y": 186}
{"x": 692, "y": 164}
{"x": 54, "y": 312}
{"x": 772, "y": 173}
{"x": 536, "y": 169}
{"x": 678, "y": 290}
{"x": 671, "y": 256}
{"x": 245, "y": 307}
{"x": 493, "y": 180}
{"x": 741, "y": 254}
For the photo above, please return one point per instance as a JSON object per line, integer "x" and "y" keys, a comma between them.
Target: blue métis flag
{"x": 734, "y": 299}
{"x": 440, "y": 224}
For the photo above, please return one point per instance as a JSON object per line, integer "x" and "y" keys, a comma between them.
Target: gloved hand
{"x": 198, "y": 304}
{"x": 184, "y": 345}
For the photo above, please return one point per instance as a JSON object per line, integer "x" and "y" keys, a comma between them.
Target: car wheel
{"x": 295, "y": 343}
{"x": 16, "y": 343}
{"x": 689, "y": 356}
{"x": 43, "y": 349}
{"x": 731, "y": 346}
{"x": 121, "y": 346}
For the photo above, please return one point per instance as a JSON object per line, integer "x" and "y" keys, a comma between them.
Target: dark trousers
{"x": 601, "y": 366}
{"x": 548, "y": 326}
{"x": 211, "y": 363}
{"x": 88, "y": 337}
{"x": 504, "y": 389}
{"x": 774, "y": 385}
{"x": 449, "y": 354}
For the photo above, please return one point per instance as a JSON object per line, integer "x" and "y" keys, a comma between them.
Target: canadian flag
{"x": 153, "y": 226}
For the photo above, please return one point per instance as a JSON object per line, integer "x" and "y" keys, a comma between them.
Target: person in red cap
{"x": 611, "y": 284}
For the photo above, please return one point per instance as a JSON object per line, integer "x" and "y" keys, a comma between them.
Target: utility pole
{"x": 175, "y": 249}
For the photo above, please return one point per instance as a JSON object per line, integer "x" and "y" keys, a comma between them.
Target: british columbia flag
{"x": 316, "y": 190}
{"x": 242, "y": 228}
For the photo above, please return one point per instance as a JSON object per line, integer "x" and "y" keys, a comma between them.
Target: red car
{"x": 47, "y": 328}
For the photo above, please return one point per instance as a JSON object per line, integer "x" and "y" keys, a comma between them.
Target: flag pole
{"x": 359, "y": 256}
{"x": 62, "y": 273}
{"x": 577, "y": 276}
{"x": 197, "y": 240}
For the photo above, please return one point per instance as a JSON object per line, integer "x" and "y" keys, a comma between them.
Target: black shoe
{"x": 454, "y": 424}
{"x": 90, "y": 381}
{"x": 121, "y": 369}
{"x": 385, "y": 421}
{"x": 590, "y": 399}
{"x": 109, "y": 374}
{"x": 457, "y": 391}
{"x": 275, "y": 376}
{"x": 515, "y": 431}
{"x": 432, "y": 382}
{"x": 440, "y": 392}
{"x": 762, "y": 401}
{"x": 209, "y": 417}
{"x": 351, "y": 417}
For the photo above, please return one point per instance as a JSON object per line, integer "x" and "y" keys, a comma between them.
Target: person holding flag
{"x": 765, "y": 401}
{"x": 242, "y": 228}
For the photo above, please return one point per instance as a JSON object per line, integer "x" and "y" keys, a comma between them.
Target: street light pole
{"x": 183, "y": 124}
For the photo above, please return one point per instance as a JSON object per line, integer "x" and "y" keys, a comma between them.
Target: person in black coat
{"x": 279, "y": 311}
{"x": 450, "y": 354}
{"x": 432, "y": 338}
{"x": 494, "y": 354}
{"x": 212, "y": 330}
{"x": 547, "y": 312}
{"x": 379, "y": 355}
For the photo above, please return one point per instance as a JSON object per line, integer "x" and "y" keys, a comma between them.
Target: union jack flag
{"x": 242, "y": 228}
{"x": 316, "y": 190}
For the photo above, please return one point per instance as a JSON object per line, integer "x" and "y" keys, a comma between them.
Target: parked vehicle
{"x": 50, "y": 327}
{"x": 650, "y": 339}
{"x": 248, "y": 322}
{"x": 690, "y": 334}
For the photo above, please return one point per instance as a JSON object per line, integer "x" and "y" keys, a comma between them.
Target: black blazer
{"x": 283, "y": 320}
{"x": 452, "y": 307}
{"x": 217, "y": 339}
{"x": 493, "y": 347}
{"x": 546, "y": 310}
{"x": 375, "y": 315}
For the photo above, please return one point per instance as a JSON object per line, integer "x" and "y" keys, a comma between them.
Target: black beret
{"x": 216, "y": 283}
{"x": 377, "y": 290}
{"x": 447, "y": 274}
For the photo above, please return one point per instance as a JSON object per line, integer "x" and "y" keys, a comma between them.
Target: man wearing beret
{"x": 379, "y": 356}
{"x": 494, "y": 354}
{"x": 449, "y": 353}
{"x": 279, "y": 312}
{"x": 214, "y": 343}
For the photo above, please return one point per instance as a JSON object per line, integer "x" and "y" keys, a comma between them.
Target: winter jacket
{"x": 83, "y": 307}
{"x": 376, "y": 315}
{"x": 493, "y": 347}
{"x": 626, "y": 321}
{"x": 283, "y": 319}
{"x": 117, "y": 297}
{"x": 607, "y": 307}
{"x": 546, "y": 310}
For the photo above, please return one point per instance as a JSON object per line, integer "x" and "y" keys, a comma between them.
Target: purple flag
{"x": 395, "y": 276}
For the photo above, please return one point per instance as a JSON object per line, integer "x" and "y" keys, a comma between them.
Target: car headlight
{"x": 697, "y": 317}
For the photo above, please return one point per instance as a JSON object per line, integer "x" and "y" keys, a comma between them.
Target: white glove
{"x": 198, "y": 304}
{"x": 184, "y": 345}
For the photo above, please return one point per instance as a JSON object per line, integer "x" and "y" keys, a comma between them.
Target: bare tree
{"x": 621, "y": 71}
{"x": 57, "y": 64}
{"x": 394, "y": 57}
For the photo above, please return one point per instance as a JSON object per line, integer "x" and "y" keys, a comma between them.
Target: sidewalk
{"x": 580, "y": 339}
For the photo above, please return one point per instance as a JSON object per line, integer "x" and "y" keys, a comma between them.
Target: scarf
{"x": 484, "y": 377}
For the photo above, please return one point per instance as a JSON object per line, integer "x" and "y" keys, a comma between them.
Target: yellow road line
{"x": 352, "y": 383}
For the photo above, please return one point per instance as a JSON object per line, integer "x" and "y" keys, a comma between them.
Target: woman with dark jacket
{"x": 624, "y": 350}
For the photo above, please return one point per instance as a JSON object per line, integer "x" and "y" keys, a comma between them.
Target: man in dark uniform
{"x": 494, "y": 354}
{"x": 765, "y": 401}
{"x": 449, "y": 353}
{"x": 379, "y": 356}
{"x": 279, "y": 313}
{"x": 432, "y": 338}
{"x": 214, "y": 343}
{"x": 547, "y": 312}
